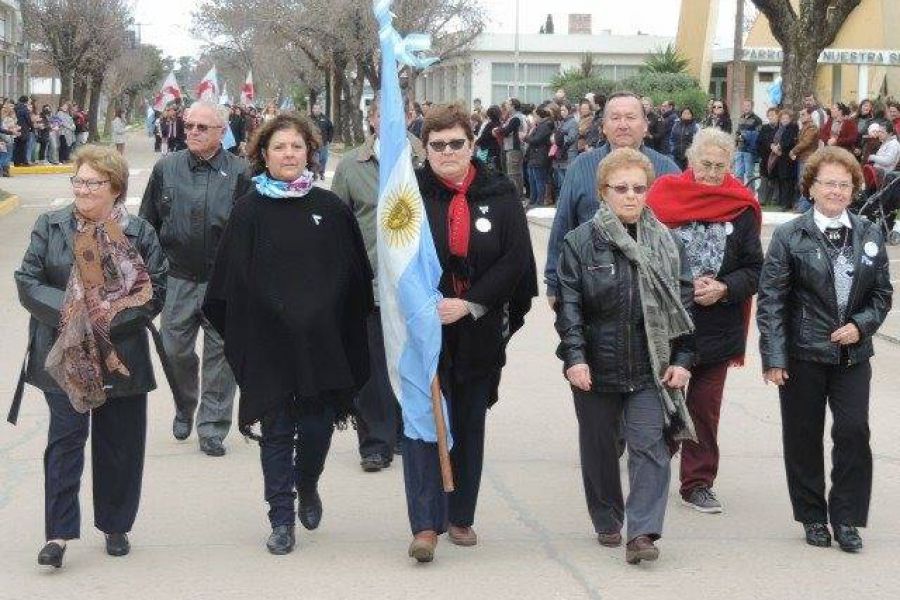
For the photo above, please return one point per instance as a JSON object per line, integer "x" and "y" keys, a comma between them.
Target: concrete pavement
{"x": 202, "y": 525}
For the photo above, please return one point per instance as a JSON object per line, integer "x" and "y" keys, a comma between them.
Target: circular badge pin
{"x": 729, "y": 228}
{"x": 871, "y": 249}
{"x": 483, "y": 225}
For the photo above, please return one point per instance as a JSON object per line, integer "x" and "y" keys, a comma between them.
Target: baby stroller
{"x": 880, "y": 200}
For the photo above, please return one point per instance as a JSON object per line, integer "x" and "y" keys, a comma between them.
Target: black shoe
{"x": 212, "y": 446}
{"x": 51, "y": 555}
{"x": 817, "y": 534}
{"x": 309, "y": 509}
{"x": 847, "y": 537}
{"x": 281, "y": 540}
{"x": 181, "y": 429}
{"x": 117, "y": 544}
{"x": 374, "y": 463}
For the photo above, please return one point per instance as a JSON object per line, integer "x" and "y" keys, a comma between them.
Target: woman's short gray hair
{"x": 711, "y": 136}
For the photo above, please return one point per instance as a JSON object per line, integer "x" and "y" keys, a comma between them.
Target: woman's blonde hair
{"x": 711, "y": 136}
{"x": 108, "y": 163}
{"x": 622, "y": 158}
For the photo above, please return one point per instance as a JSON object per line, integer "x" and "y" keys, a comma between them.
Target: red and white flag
{"x": 248, "y": 94}
{"x": 169, "y": 93}
{"x": 208, "y": 88}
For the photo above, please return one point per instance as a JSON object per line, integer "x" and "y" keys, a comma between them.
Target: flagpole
{"x": 441, "y": 428}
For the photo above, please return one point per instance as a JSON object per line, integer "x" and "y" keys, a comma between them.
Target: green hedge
{"x": 682, "y": 89}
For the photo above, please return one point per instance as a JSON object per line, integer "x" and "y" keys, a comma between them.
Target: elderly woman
{"x": 782, "y": 168}
{"x": 91, "y": 279}
{"x": 290, "y": 292}
{"x": 825, "y": 290}
{"x": 840, "y": 129}
{"x": 718, "y": 220}
{"x": 489, "y": 279}
{"x": 626, "y": 346}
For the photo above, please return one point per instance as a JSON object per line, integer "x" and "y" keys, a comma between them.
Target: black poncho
{"x": 290, "y": 293}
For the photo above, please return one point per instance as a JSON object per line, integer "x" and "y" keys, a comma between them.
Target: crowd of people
{"x": 653, "y": 260}
{"x": 29, "y": 136}
{"x": 535, "y": 144}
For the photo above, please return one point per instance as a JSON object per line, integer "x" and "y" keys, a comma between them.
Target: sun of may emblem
{"x": 402, "y": 216}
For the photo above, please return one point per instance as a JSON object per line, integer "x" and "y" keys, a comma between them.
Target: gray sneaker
{"x": 702, "y": 499}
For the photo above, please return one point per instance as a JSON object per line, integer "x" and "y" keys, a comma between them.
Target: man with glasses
{"x": 624, "y": 126}
{"x": 356, "y": 183}
{"x": 188, "y": 201}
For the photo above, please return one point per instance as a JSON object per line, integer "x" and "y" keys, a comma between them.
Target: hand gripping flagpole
{"x": 395, "y": 48}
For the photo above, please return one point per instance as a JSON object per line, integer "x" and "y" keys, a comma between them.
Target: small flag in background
{"x": 208, "y": 88}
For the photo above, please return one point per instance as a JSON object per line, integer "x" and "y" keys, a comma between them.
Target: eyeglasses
{"x": 623, "y": 188}
{"x": 92, "y": 185}
{"x": 842, "y": 186}
{"x": 711, "y": 166}
{"x": 454, "y": 145}
{"x": 200, "y": 127}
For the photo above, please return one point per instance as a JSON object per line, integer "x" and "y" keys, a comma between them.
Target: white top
{"x": 888, "y": 154}
{"x": 823, "y": 222}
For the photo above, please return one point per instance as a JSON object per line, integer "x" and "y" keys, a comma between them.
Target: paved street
{"x": 202, "y": 526}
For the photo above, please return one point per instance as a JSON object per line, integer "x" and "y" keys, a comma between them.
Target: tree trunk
{"x": 800, "y": 60}
{"x": 96, "y": 87}
{"x": 356, "y": 116}
{"x": 65, "y": 86}
{"x": 80, "y": 90}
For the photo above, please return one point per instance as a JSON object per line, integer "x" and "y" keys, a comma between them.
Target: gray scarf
{"x": 656, "y": 258}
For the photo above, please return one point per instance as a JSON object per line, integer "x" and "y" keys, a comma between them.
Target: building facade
{"x": 13, "y": 53}
{"x": 501, "y": 66}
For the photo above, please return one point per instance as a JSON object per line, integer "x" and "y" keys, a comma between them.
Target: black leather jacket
{"x": 600, "y": 318}
{"x": 188, "y": 202}
{"x": 41, "y": 282}
{"x": 797, "y": 308}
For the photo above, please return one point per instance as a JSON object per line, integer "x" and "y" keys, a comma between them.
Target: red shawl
{"x": 677, "y": 200}
{"x": 458, "y": 225}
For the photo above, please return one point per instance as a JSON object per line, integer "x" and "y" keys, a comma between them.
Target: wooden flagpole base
{"x": 441, "y": 429}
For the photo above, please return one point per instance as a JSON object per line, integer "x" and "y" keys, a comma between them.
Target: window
{"x": 616, "y": 72}
{"x": 534, "y": 82}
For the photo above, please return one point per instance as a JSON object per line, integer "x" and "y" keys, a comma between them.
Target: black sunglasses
{"x": 455, "y": 145}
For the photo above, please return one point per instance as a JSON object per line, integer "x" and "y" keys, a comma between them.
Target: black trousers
{"x": 803, "y": 399}
{"x": 428, "y": 506}
{"x": 294, "y": 446}
{"x": 787, "y": 192}
{"x": 378, "y": 421}
{"x": 117, "y": 460}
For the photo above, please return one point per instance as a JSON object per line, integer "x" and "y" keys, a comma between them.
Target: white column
{"x": 862, "y": 86}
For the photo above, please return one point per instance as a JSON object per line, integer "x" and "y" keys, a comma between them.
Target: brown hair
{"x": 623, "y": 158}
{"x": 285, "y": 121}
{"x": 108, "y": 163}
{"x": 786, "y": 111}
{"x": 446, "y": 116}
{"x": 830, "y": 155}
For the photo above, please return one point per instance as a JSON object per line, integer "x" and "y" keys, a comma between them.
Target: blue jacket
{"x": 578, "y": 201}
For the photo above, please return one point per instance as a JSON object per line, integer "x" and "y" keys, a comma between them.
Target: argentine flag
{"x": 408, "y": 266}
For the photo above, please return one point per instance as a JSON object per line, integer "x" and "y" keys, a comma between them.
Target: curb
{"x": 41, "y": 170}
{"x": 8, "y": 205}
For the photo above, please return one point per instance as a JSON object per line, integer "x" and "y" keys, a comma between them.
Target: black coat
{"x": 797, "y": 308}
{"x": 539, "y": 140}
{"x": 721, "y": 333}
{"x": 290, "y": 293}
{"x": 764, "y": 147}
{"x": 41, "y": 281}
{"x": 500, "y": 266}
{"x": 600, "y": 318}
{"x": 785, "y": 167}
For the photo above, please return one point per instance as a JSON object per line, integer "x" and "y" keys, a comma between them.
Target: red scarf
{"x": 677, "y": 200}
{"x": 459, "y": 226}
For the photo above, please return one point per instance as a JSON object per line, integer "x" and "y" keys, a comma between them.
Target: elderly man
{"x": 356, "y": 183}
{"x": 188, "y": 201}
{"x": 889, "y": 152}
{"x": 624, "y": 125}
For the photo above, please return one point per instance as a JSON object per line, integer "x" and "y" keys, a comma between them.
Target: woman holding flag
{"x": 482, "y": 241}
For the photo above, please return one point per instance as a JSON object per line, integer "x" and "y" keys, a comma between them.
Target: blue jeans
{"x": 537, "y": 184}
{"x": 744, "y": 163}
{"x": 323, "y": 158}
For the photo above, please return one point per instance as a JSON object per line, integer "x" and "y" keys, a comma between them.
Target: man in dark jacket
{"x": 188, "y": 201}
{"x": 23, "y": 120}
{"x": 326, "y": 128}
{"x": 748, "y": 127}
{"x": 668, "y": 118}
{"x": 624, "y": 125}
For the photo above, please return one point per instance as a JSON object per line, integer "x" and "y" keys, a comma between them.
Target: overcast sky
{"x": 166, "y": 23}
